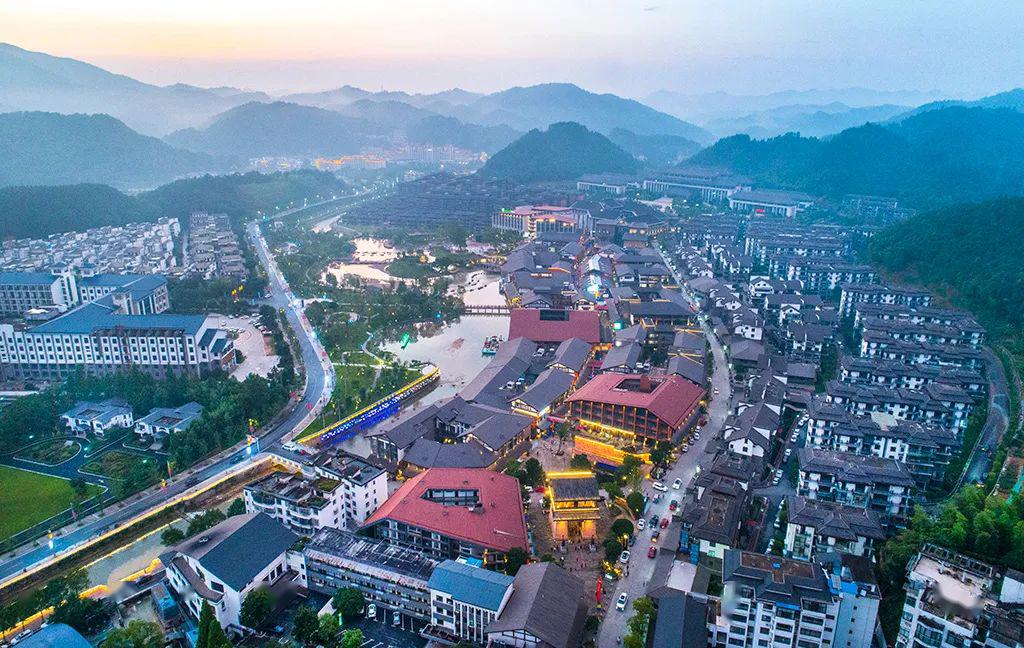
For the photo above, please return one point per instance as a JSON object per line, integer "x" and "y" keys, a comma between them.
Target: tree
{"x": 532, "y": 473}
{"x": 256, "y": 608}
{"x": 631, "y": 472}
{"x": 660, "y": 453}
{"x": 137, "y": 634}
{"x": 327, "y": 633}
{"x": 86, "y": 615}
{"x": 622, "y": 528}
{"x": 206, "y": 619}
{"x": 580, "y": 462}
{"x": 237, "y": 507}
{"x": 352, "y": 638}
{"x": 636, "y": 502}
{"x": 612, "y": 549}
{"x": 171, "y": 536}
{"x": 216, "y": 637}
{"x": 205, "y": 521}
{"x": 514, "y": 559}
{"x": 306, "y": 624}
{"x": 349, "y": 601}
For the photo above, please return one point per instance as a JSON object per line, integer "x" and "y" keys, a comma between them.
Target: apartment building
{"x": 464, "y": 600}
{"x": 531, "y": 220}
{"x": 882, "y": 485}
{"x": 817, "y": 527}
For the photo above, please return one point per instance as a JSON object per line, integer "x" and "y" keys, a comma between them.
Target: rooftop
{"x": 474, "y": 585}
{"x": 546, "y": 325}
{"x": 671, "y": 398}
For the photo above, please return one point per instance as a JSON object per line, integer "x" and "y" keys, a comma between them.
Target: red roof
{"x": 549, "y": 325}
{"x": 497, "y": 524}
{"x": 673, "y": 398}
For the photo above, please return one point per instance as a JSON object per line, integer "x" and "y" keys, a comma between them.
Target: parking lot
{"x": 257, "y": 357}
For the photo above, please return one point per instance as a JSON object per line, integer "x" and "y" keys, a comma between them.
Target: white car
{"x": 677, "y": 484}
{"x": 775, "y": 482}
{"x": 641, "y": 524}
{"x": 696, "y": 436}
{"x": 620, "y": 604}
{"x": 685, "y": 447}
{"x": 624, "y": 557}
{"x": 658, "y": 486}
{"x": 778, "y": 473}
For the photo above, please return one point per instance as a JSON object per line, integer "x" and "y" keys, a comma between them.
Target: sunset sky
{"x": 622, "y": 46}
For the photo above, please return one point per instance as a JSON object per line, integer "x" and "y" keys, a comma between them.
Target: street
{"x": 701, "y": 452}
{"x": 317, "y": 390}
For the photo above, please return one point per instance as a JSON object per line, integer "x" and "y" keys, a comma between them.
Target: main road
{"x": 316, "y": 392}
{"x": 701, "y": 453}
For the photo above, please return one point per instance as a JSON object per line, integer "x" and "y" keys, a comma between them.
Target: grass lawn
{"x": 113, "y": 464}
{"x": 52, "y": 452}
{"x": 27, "y": 498}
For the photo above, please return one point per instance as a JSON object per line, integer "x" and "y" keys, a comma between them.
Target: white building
{"x": 23, "y": 291}
{"x": 815, "y": 527}
{"x": 87, "y": 416}
{"x": 464, "y": 599}
{"x": 222, "y": 565}
{"x": 530, "y": 220}
{"x": 161, "y": 421}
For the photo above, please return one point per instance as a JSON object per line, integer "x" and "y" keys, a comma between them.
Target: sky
{"x": 957, "y": 47}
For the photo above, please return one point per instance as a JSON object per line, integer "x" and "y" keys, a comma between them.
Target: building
{"x": 56, "y": 635}
{"x": 547, "y": 326}
{"x": 641, "y": 406}
{"x": 882, "y": 485}
{"x": 530, "y": 220}
{"x": 768, "y": 600}
{"x": 574, "y": 501}
{"x": 947, "y": 595}
{"x": 222, "y": 565}
{"x": 302, "y": 504}
{"x": 364, "y": 486}
{"x": 161, "y": 421}
{"x": 97, "y": 418}
{"x": 546, "y": 610}
{"x": 391, "y": 576}
{"x": 612, "y": 184}
{"x": 464, "y": 600}
{"x": 107, "y": 335}
{"x": 769, "y": 202}
{"x": 24, "y": 291}
{"x": 710, "y": 520}
{"x": 450, "y": 513}
{"x": 816, "y": 527}
{"x": 704, "y": 184}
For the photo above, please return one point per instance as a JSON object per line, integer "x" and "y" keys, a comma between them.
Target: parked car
{"x": 620, "y": 604}
{"x": 677, "y": 484}
{"x": 655, "y": 535}
{"x": 673, "y": 505}
{"x": 686, "y": 447}
{"x": 664, "y": 522}
{"x": 778, "y": 473}
{"x": 624, "y": 557}
{"x": 654, "y": 521}
{"x": 657, "y": 498}
{"x": 641, "y": 524}
{"x": 652, "y": 552}
{"x": 696, "y": 436}
{"x": 658, "y": 486}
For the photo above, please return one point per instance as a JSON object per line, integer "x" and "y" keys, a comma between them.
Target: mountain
{"x": 540, "y": 105}
{"x": 36, "y": 212}
{"x": 279, "y": 128}
{"x": 449, "y": 130}
{"x": 654, "y": 150}
{"x": 935, "y": 158}
{"x": 1013, "y": 99}
{"x": 981, "y": 272}
{"x": 34, "y": 81}
{"x": 703, "y": 108}
{"x": 809, "y": 120}
{"x": 565, "y": 151}
{"x": 48, "y": 148}
{"x": 347, "y": 94}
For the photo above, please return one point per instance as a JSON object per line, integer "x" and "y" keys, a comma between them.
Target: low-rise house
{"x": 464, "y": 600}
{"x": 98, "y": 417}
{"x": 547, "y": 609}
{"x": 161, "y": 421}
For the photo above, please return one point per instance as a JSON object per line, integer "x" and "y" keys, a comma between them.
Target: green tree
{"x": 237, "y": 507}
{"x": 327, "y": 633}
{"x": 349, "y": 602}
{"x": 580, "y": 462}
{"x": 216, "y": 637}
{"x": 206, "y": 619}
{"x": 514, "y": 559}
{"x": 636, "y": 502}
{"x": 352, "y": 638}
{"x": 171, "y": 536}
{"x": 137, "y": 634}
{"x": 256, "y": 608}
{"x": 622, "y": 528}
{"x": 532, "y": 473}
{"x": 306, "y": 624}
{"x": 612, "y": 549}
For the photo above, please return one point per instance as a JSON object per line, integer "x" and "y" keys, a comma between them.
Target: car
{"x": 696, "y": 436}
{"x": 788, "y": 453}
{"x": 664, "y": 522}
{"x": 677, "y": 484}
{"x": 775, "y": 481}
{"x": 620, "y": 604}
{"x": 371, "y": 611}
{"x": 624, "y": 557}
{"x": 716, "y": 391}
{"x": 658, "y": 486}
{"x": 673, "y": 505}
{"x": 655, "y": 535}
{"x": 778, "y": 473}
{"x": 528, "y": 489}
{"x": 654, "y": 521}
{"x": 685, "y": 447}
{"x": 641, "y": 524}
{"x": 652, "y": 552}
{"x": 657, "y": 498}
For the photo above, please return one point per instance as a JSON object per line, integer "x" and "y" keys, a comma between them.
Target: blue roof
{"x": 110, "y": 279}
{"x": 95, "y": 315}
{"x": 57, "y": 635}
{"x": 474, "y": 585}
{"x": 27, "y": 278}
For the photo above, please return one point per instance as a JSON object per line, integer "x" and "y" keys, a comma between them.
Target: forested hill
{"x": 564, "y": 151}
{"x": 33, "y": 212}
{"x": 935, "y": 158}
{"x": 969, "y": 253}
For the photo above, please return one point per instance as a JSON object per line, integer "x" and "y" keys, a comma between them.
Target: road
{"x": 701, "y": 453}
{"x": 995, "y": 425}
{"x": 317, "y": 390}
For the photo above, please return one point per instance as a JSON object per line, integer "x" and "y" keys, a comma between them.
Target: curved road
{"x": 319, "y": 383}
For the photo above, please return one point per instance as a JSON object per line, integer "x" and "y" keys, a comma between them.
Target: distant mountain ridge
{"x": 565, "y": 151}
{"x": 49, "y": 148}
{"x": 33, "y": 81}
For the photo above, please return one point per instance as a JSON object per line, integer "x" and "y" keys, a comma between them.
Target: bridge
{"x": 488, "y": 309}
{"x": 374, "y": 413}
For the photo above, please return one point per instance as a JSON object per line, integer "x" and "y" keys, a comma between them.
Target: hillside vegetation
{"x": 935, "y": 158}
{"x": 564, "y": 151}
{"x": 33, "y": 212}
